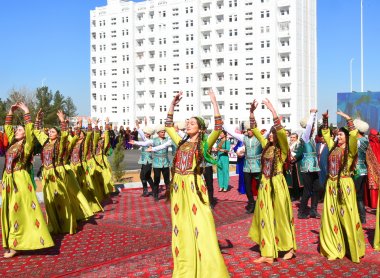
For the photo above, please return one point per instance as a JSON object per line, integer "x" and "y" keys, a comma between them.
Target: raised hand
{"x": 268, "y": 104}
{"x": 146, "y": 120}
{"x": 107, "y": 120}
{"x": 344, "y": 115}
{"x": 177, "y": 98}
{"x": 212, "y": 95}
{"x": 13, "y": 108}
{"x": 61, "y": 116}
{"x": 254, "y": 105}
{"x": 137, "y": 123}
{"x": 313, "y": 110}
{"x": 132, "y": 142}
{"x": 22, "y": 106}
{"x": 89, "y": 120}
{"x": 326, "y": 114}
{"x": 39, "y": 114}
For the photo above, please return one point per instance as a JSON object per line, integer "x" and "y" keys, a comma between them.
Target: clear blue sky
{"x": 47, "y": 42}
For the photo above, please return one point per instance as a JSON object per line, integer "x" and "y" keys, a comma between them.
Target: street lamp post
{"x": 352, "y": 59}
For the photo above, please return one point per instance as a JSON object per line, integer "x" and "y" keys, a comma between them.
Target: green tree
{"x": 3, "y": 111}
{"x": 70, "y": 108}
{"x": 117, "y": 161}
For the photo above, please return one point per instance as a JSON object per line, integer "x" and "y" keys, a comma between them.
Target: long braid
{"x": 80, "y": 155}
{"x": 55, "y": 156}
{"x": 94, "y": 157}
{"x": 198, "y": 170}
{"x": 172, "y": 170}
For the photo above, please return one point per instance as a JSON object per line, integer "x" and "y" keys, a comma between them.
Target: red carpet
{"x": 132, "y": 239}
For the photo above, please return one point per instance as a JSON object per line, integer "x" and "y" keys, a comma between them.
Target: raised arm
{"x": 326, "y": 131}
{"x": 64, "y": 136}
{"x": 88, "y": 137}
{"x": 162, "y": 146}
{"x": 106, "y": 136}
{"x": 29, "y": 138}
{"x": 8, "y": 127}
{"x": 169, "y": 124}
{"x": 353, "y": 132}
{"x": 96, "y": 135}
{"x": 309, "y": 126}
{"x": 38, "y": 131}
{"x": 218, "y": 120}
{"x": 232, "y": 132}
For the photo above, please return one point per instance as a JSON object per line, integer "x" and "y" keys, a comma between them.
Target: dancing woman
{"x": 23, "y": 226}
{"x": 80, "y": 170}
{"x": 273, "y": 223}
{"x": 103, "y": 171}
{"x": 61, "y": 218}
{"x": 340, "y": 224}
{"x": 79, "y": 203}
{"x": 195, "y": 246}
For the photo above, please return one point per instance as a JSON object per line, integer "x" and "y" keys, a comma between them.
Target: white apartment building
{"x": 143, "y": 53}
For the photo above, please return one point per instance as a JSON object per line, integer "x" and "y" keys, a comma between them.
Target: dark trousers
{"x": 295, "y": 182}
{"x": 311, "y": 190}
{"x": 209, "y": 183}
{"x": 157, "y": 176}
{"x": 248, "y": 178}
{"x": 145, "y": 176}
{"x": 360, "y": 182}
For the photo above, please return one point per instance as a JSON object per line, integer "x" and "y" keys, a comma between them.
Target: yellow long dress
{"x": 376, "y": 240}
{"x": 80, "y": 170}
{"x": 23, "y": 226}
{"x": 104, "y": 174}
{"x": 195, "y": 246}
{"x": 341, "y": 230}
{"x": 79, "y": 203}
{"x": 272, "y": 225}
{"x": 61, "y": 218}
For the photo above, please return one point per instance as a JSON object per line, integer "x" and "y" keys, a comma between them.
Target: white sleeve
{"x": 141, "y": 133}
{"x": 143, "y": 143}
{"x": 307, "y": 133}
{"x": 231, "y": 132}
{"x": 162, "y": 146}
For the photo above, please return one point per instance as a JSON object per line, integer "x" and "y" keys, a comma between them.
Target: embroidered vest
{"x": 309, "y": 162}
{"x": 160, "y": 158}
{"x": 145, "y": 157}
{"x": 361, "y": 166}
{"x": 253, "y": 150}
{"x": 184, "y": 158}
{"x": 12, "y": 158}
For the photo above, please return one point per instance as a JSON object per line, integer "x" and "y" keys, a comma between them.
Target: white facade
{"x": 143, "y": 53}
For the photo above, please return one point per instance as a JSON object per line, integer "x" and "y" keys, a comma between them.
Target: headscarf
{"x": 206, "y": 148}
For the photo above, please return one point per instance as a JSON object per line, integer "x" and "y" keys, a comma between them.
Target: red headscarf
{"x": 374, "y": 142}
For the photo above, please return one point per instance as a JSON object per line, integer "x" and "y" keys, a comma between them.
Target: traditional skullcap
{"x": 148, "y": 130}
{"x": 303, "y": 122}
{"x": 361, "y": 125}
{"x": 160, "y": 128}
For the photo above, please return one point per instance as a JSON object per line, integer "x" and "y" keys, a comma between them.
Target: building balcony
{"x": 284, "y": 49}
{"x": 284, "y": 64}
{"x": 284, "y": 95}
{"x": 283, "y": 3}
{"x": 284, "y": 80}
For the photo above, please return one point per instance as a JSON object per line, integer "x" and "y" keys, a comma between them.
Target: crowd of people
{"x": 335, "y": 166}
